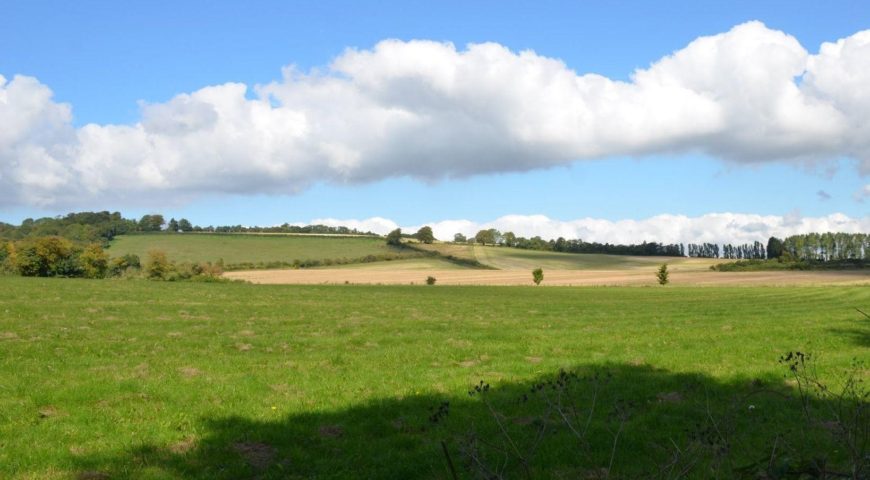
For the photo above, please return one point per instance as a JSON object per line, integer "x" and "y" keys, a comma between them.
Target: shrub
{"x": 121, "y": 265}
{"x": 7, "y": 257}
{"x": 538, "y": 276}
{"x": 46, "y": 257}
{"x": 158, "y": 266}
{"x": 94, "y": 261}
{"x": 430, "y": 280}
{"x": 662, "y": 274}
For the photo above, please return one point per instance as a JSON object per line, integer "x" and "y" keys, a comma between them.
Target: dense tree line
{"x": 286, "y": 228}
{"x": 754, "y": 251}
{"x": 702, "y": 250}
{"x": 102, "y": 227}
{"x": 97, "y": 227}
{"x": 827, "y": 246}
{"x": 509, "y": 239}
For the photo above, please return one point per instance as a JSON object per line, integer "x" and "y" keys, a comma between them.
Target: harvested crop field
{"x": 551, "y": 277}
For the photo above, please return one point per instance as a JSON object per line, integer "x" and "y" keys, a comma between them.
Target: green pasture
{"x": 250, "y": 248}
{"x": 157, "y": 380}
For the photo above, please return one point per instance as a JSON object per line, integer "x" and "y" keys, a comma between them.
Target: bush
{"x": 94, "y": 261}
{"x": 538, "y": 276}
{"x": 7, "y": 257}
{"x": 158, "y": 266}
{"x": 121, "y": 265}
{"x": 430, "y": 280}
{"x": 46, "y": 257}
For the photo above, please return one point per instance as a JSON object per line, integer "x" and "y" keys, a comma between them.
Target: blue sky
{"x": 104, "y": 58}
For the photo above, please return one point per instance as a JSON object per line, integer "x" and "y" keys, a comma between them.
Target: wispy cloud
{"x": 430, "y": 110}
{"x": 823, "y": 195}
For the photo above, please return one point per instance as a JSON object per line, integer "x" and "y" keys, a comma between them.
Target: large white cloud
{"x": 429, "y": 110}
{"x": 734, "y": 228}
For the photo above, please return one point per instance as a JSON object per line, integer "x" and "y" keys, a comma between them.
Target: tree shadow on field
{"x": 609, "y": 421}
{"x": 860, "y": 335}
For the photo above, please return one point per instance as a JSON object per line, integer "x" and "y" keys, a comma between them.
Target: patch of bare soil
{"x": 257, "y": 455}
{"x": 635, "y": 277}
{"x": 190, "y": 372}
{"x": 92, "y": 475}
{"x": 330, "y": 431}
{"x": 183, "y": 446}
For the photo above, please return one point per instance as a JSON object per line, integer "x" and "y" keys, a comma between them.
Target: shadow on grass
{"x": 736, "y": 428}
{"x": 860, "y": 335}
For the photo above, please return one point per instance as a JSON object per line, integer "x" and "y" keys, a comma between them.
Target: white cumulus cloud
{"x": 430, "y": 110}
{"x": 726, "y": 227}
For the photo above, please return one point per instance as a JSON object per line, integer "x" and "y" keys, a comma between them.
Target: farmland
{"x": 250, "y": 248}
{"x": 139, "y": 379}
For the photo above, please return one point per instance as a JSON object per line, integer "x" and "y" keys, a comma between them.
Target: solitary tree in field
{"x": 395, "y": 237}
{"x": 459, "y": 238}
{"x": 662, "y": 274}
{"x": 424, "y": 235}
{"x": 538, "y": 276}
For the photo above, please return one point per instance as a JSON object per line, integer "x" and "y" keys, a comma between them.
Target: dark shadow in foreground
{"x": 606, "y": 421}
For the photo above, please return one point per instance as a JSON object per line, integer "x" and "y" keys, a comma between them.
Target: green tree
{"x": 509, "y": 239}
{"x": 538, "y": 275}
{"x": 185, "y": 225}
{"x": 430, "y": 280}
{"x": 395, "y": 237}
{"x": 459, "y": 238}
{"x": 662, "y": 274}
{"x": 484, "y": 237}
{"x": 94, "y": 261}
{"x": 424, "y": 235}
{"x": 151, "y": 223}
{"x": 173, "y": 225}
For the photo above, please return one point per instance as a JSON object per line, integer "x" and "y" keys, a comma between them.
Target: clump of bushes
{"x": 60, "y": 257}
{"x": 430, "y": 280}
{"x": 160, "y": 267}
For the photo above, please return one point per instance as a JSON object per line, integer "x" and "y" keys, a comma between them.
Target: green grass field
{"x": 239, "y": 248}
{"x": 152, "y": 380}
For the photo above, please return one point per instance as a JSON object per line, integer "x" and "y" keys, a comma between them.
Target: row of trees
{"x": 702, "y": 250}
{"x": 102, "y": 227}
{"x": 754, "y": 251}
{"x": 827, "y": 246}
{"x": 494, "y": 237}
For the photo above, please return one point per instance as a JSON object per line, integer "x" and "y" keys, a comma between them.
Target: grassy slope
{"x": 237, "y": 248}
{"x": 158, "y": 380}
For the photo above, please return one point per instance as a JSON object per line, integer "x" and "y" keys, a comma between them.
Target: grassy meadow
{"x": 251, "y": 248}
{"x": 156, "y": 380}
